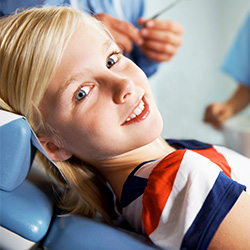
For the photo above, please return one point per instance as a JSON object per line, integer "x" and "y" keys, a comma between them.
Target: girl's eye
{"x": 112, "y": 60}
{"x": 83, "y": 92}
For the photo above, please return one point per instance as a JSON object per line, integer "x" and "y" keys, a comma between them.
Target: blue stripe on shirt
{"x": 218, "y": 203}
{"x": 133, "y": 187}
{"x": 188, "y": 144}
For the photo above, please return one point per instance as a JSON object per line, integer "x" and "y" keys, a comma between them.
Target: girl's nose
{"x": 122, "y": 90}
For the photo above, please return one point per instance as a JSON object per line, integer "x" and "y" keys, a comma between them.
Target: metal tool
{"x": 160, "y": 12}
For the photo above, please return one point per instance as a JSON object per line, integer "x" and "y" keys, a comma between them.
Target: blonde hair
{"x": 32, "y": 43}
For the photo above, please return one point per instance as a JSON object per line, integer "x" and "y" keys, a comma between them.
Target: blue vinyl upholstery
{"x": 27, "y": 211}
{"x": 77, "y": 233}
{"x": 26, "y": 206}
{"x": 16, "y": 154}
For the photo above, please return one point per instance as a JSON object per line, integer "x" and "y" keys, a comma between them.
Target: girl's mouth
{"x": 140, "y": 112}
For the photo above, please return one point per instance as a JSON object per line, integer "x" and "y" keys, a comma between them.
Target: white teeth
{"x": 141, "y": 106}
{"x": 137, "y": 111}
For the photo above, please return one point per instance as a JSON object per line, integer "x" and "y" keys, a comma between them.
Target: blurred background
{"x": 193, "y": 79}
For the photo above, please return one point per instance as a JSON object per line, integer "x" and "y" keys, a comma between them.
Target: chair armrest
{"x": 27, "y": 211}
{"x": 75, "y": 232}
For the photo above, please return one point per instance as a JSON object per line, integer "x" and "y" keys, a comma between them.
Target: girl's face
{"x": 99, "y": 101}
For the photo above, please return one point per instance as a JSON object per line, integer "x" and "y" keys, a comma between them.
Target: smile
{"x": 140, "y": 113}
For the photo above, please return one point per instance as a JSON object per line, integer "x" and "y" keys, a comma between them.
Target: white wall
{"x": 184, "y": 86}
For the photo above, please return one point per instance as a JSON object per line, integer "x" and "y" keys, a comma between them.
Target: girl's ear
{"x": 55, "y": 153}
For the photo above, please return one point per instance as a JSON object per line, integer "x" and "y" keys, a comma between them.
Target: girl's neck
{"x": 116, "y": 170}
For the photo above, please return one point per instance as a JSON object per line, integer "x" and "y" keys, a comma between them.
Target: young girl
{"x": 93, "y": 111}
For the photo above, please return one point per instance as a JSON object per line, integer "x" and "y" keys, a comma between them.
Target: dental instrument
{"x": 159, "y": 13}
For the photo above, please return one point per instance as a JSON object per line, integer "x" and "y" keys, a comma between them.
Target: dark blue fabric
{"x": 218, "y": 203}
{"x": 188, "y": 144}
{"x": 133, "y": 188}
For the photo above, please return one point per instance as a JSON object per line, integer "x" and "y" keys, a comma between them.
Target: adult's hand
{"x": 217, "y": 113}
{"x": 123, "y": 32}
{"x": 162, "y": 38}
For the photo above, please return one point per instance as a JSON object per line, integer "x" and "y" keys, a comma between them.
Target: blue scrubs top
{"x": 237, "y": 61}
{"x": 130, "y": 11}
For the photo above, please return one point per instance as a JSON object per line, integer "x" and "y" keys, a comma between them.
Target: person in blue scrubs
{"x": 237, "y": 65}
{"x": 157, "y": 42}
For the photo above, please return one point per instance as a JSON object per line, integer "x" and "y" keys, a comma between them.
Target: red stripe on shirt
{"x": 213, "y": 155}
{"x": 161, "y": 179}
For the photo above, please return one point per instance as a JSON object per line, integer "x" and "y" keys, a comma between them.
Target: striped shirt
{"x": 180, "y": 200}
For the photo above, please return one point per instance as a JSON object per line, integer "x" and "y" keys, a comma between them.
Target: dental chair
{"x": 28, "y": 214}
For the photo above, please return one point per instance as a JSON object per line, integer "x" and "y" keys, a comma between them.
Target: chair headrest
{"x": 18, "y": 145}
{"x": 16, "y": 153}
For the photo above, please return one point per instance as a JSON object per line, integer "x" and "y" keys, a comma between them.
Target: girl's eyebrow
{"x": 73, "y": 78}
{"x": 107, "y": 44}
{"x": 69, "y": 81}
